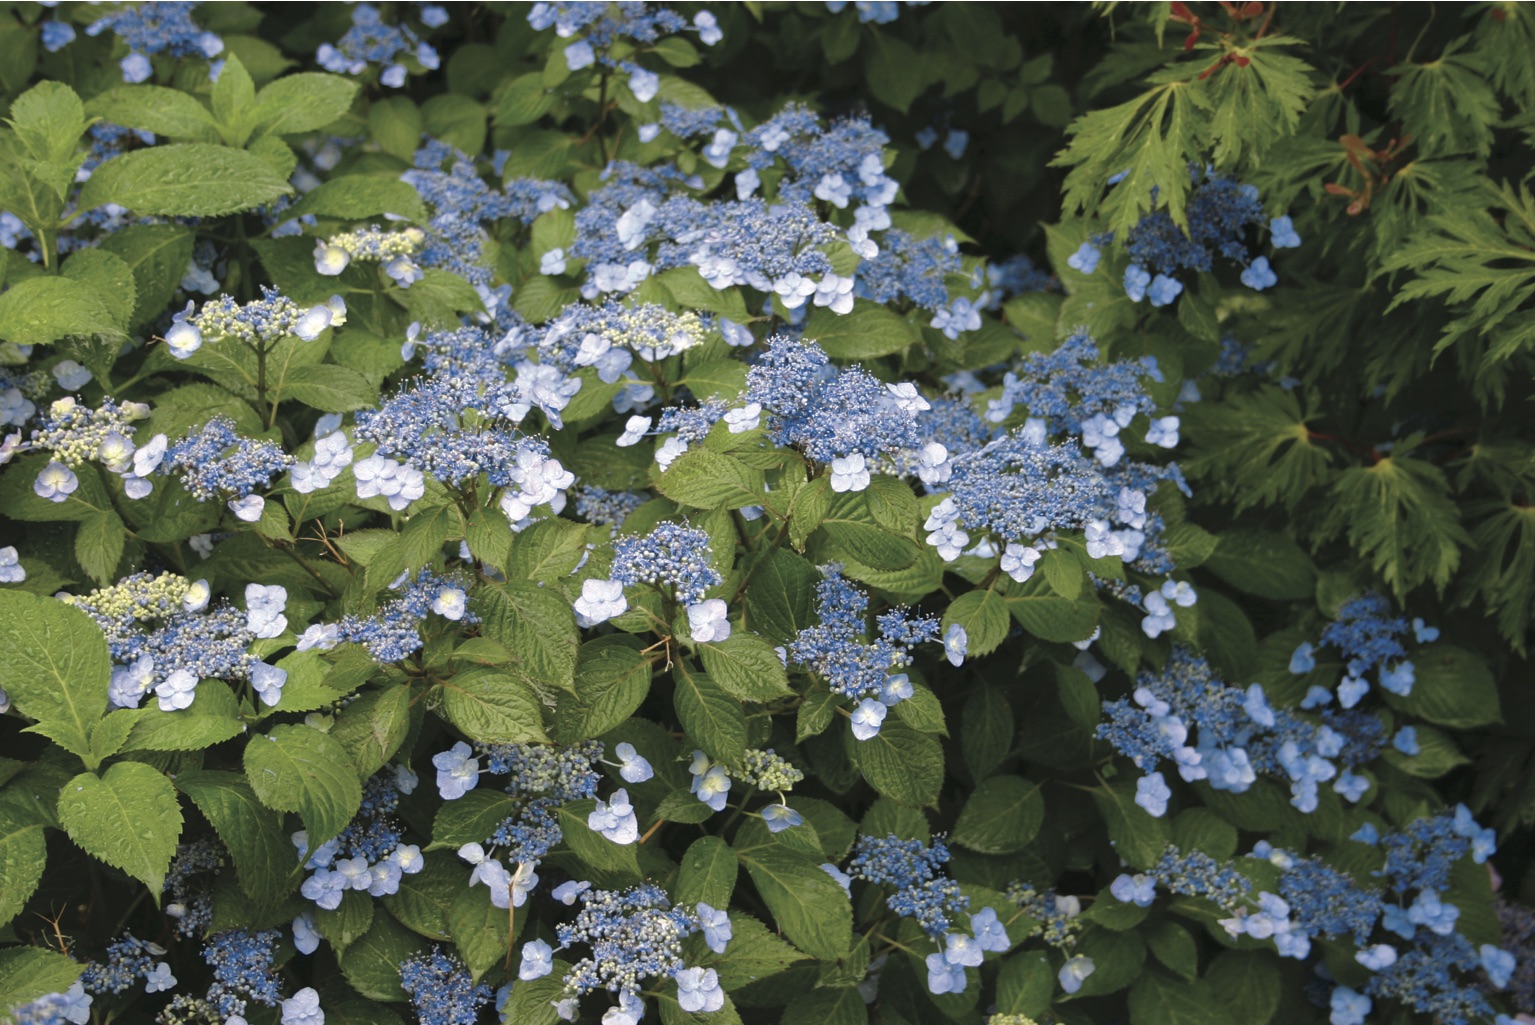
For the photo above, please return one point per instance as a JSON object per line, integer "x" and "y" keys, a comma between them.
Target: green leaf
{"x": 1157, "y": 999}
{"x": 1453, "y": 687}
{"x": 1203, "y": 830}
{"x": 305, "y": 102}
{"x": 828, "y": 1007}
{"x": 1025, "y": 984}
{"x": 424, "y": 900}
{"x": 158, "y": 255}
{"x": 753, "y": 953}
{"x": 1001, "y": 816}
{"x": 869, "y": 331}
{"x": 902, "y": 764}
{"x": 535, "y": 624}
{"x": 746, "y": 667}
{"x": 808, "y": 905}
{"x": 713, "y": 719}
{"x": 1171, "y": 944}
{"x": 850, "y": 528}
{"x": 128, "y": 817}
{"x": 611, "y": 681}
{"x": 372, "y": 728}
{"x": 493, "y": 707}
{"x": 372, "y": 964}
{"x": 213, "y": 718}
{"x": 1137, "y": 837}
{"x": 983, "y": 615}
{"x": 987, "y": 729}
{"x": 1479, "y": 262}
{"x": 54, "y": 661}
{"x": 111, "y": 279}
{"x": 1398, "y": 513}
{"x": 779, "y": 596}
{"x": 299, "y": 769}
{"x": 481, "y": 931}
{"x": 1147, "y": 142}
{"x": 1118, "y": 957}
{"x": 704, "y": 479}
{"x": 1265, "y": 563}
{"x": 549, "y": 548}
{"x": 1047, "y": 615}
{"x": 894, "y": 71}
{"x": 524, "y": 101}
{"x": 329, "y": 388}
{"x": 23, "y": 856}
{"x": 708, "y": 874}
{"x": 42, "y": 310}
{"x": 264, "y": 857}
{"x": 27, "y": 973}
{"x": 595, "y": 851}
{"x": 532, "y": 1002}
{"x": 1256, "y": 449}
{"x": 154, "y": 108}
{"x": 356, "y": 197}
{"x": 184, "y": 180}
{"x": 470, "y": 819}
{"x": 49, "y": 120}
{"x": 234, "y": 96}
{"x": 346, "y": 924}
{"x": 1247, "y": 985}
{"x": 99, "y": 545}
{"x": 440, "y": 297}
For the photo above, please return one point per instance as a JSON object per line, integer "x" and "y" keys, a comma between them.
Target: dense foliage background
{"x": 786, "y": 512}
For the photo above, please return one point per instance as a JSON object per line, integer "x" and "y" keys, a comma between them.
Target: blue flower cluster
{"x": 1366, "y": 636}
{"x": 371, "y": 40}
{"x": 671, "y": 555}
{"x": 855, "y": 668}
{"x": 76, "y": 434}
{"x": 876, "y": 12}
{"x": 914, "y": 872}
{"x": 128, "y": 960}
{"x": 462, "y": 206}
{"x": 636, "y": 935}
{"x": 260, "y": 323}
{"x": 216, "y": 462}
{"x": 188, "y": 885}
{"x": 243, "y": 969}
{"x": 164, "y": 636}
{"x": 369, "y": 854}
{"x": 1074, "y": 394}
{"x": 1220, "y": 212}
{"x": 73, "y": 1006}
{"x": 453, "y": 429}
{"x": 441, "y": 990}
{"x": 1429, "y": 966}
{"x": 603, "y": 28}
{"x": 152, "y": 29}
{"x": 393, "y": 631}
{"x": 1236, "y": 736}
{"x": 844, "y": 417}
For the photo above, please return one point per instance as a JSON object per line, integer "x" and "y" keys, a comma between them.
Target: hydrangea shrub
{"x": 879, "y": 513}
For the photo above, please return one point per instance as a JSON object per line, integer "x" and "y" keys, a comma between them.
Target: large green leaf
{"x": 128, "y": 818}
{"x": 493, "y": 707}
{"x": 264, "y": 857}
{"x": 611, "y": 681}
{"x": 902, "y": 764}
{"x": 192, "y": 179}
{"x": 54, "y": 661}
{"x": 809, "y": 906}
{"x": 1001, "y": 816}
{"x": 713, "y": 719}
{"x": 300, "y": 769}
